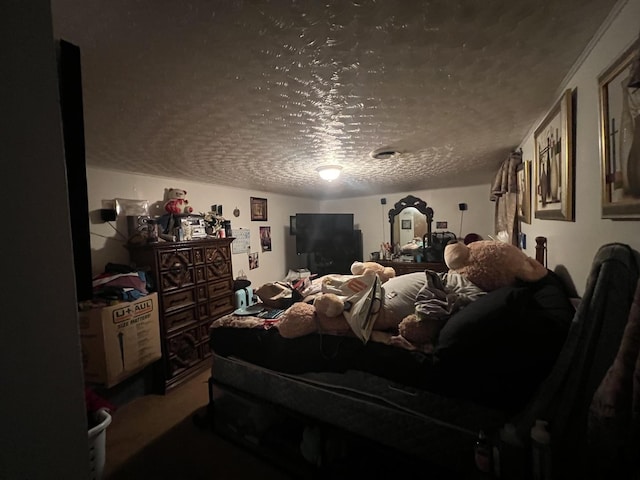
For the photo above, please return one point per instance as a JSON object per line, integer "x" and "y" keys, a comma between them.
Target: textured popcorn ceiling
{"x": 258, "y": 94}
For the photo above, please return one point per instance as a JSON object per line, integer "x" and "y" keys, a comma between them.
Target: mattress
{"x": 338, "y": 354}
{"x": 487, "y": 365}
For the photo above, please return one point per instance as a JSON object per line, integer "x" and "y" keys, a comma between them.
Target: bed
{"x": 503, "y": 359}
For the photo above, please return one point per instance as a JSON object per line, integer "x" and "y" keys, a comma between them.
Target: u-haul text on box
{"x": 120, "y": 340}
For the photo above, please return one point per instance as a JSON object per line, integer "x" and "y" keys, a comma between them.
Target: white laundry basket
{"x": 97, "y": 445}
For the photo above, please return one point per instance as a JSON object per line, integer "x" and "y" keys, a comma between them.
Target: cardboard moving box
{"x": 119, "y": 340}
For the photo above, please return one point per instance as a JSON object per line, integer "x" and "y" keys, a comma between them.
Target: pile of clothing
{"x": 120, "y": 282}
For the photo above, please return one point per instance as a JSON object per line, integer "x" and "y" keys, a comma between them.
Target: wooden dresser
{"x": 403, "y": 268}
{"x": 194, "y": 281}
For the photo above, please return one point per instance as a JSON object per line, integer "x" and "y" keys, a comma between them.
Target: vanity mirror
{"x": 410, "y": 218}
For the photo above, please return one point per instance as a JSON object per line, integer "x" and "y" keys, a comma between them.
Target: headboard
{"x": 541, "y": 250}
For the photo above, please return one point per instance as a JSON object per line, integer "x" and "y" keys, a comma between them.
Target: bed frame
{"x": 402, "y": 419}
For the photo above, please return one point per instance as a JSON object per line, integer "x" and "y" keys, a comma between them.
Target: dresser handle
{"x": 175, "y": 301}
{"x": 218, "y": 262}
{"x": 221, "y": 304}
{"x": 177, "y": 268}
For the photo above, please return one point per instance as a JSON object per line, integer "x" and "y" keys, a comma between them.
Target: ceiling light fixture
{"x": 329, "y": 172}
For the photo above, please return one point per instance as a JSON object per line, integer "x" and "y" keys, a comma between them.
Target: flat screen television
{"x": 321, "y": 232}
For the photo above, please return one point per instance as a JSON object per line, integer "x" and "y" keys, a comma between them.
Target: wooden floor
{"x": 154, "y": 437}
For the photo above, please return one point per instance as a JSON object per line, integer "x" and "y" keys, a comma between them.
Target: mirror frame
{"x": 418, "y": 204}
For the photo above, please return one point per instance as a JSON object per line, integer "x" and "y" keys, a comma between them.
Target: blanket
{"x": 614, "y": 413}
{"x": 591, "y": 346}
{"x": 444, "y": 294}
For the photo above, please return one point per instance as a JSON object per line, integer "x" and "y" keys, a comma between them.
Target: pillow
{"x": 518, "y": 323}
{"x": 399, "y": 297}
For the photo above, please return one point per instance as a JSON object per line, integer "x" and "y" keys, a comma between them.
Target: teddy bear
{"x": 362, "y": 268}
{"x": 492, "y": 264}
{"x": 177, "y": 202}
{"x": 488, "y": 265}
{"x": 325, "y": 315}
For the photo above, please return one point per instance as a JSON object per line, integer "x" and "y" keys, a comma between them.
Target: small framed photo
{"x": 620, "y": 137}
{"x": 258, "y": 209}
{"x": 523, "y": 173}
{"x": 406, "y": 225}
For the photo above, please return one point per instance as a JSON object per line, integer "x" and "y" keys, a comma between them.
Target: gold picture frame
{"x": 620, "y": 138}
{"x": 258, "y": 208}
{"x": 523, "y": 173}
{"x": 554, "y": 176}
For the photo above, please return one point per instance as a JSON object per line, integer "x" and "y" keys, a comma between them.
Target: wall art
{"x": 620, "y": 137}
{"x": 258, "y": 209}
{"x": 523, "y": 172}
{"x": 265, "y": 238}
{"x": 253, "y": 261}
{"x": 554, "y": 152}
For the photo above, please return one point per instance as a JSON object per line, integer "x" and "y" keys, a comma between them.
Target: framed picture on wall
{"x": 258, "y": 208}
{"x": 523, "y": 173}
{"x": 406, "y": 225}
{"x": 554, "y": 176}
{"x": 620, "y": 137}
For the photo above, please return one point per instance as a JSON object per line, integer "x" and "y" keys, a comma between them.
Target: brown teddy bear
{"x": 362, "y": 268}
{"x": 325, "y": 315}
{"x": 491, "y": 264}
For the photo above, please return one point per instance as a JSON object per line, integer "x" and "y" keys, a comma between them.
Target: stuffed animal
{"x": 420, "y": 332}
{"x": 176, "y": 202}
{"x": 362, "y": 268}
{"x": 329, "y": 304}
{"x": 303, "y": 318}
{"x": 326, "y": 314}
{"x": 492, "y": 264}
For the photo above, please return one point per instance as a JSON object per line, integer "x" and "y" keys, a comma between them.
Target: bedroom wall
{"x": 373, "y": 218}
{"x": 370, "y": 216}
{"x": 107, "y": 245}
{"x": 572, "y": 245}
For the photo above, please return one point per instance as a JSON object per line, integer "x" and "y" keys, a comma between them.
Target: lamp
{"x": 329, "y": 172}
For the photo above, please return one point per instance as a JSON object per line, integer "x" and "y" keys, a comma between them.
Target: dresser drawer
{"x": 180, "y": 363}
{"x": 204, "y": 330}
{"x": 218, "y": 289}
{"x": 201, "y": 273}
{"x": 198, "y": 255}
{"x": 220, "y": 306}
{"x": 202, "y": 291}
{"x": 184, "y": 342}
{"x": 167, "y": 258}
{"x": 177, "y": 276}
{"x": 180, "y": 319}
{"x": 203, "y": 311}
{"x": 218, "y": 263}
{"x": 176, "y": 300}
